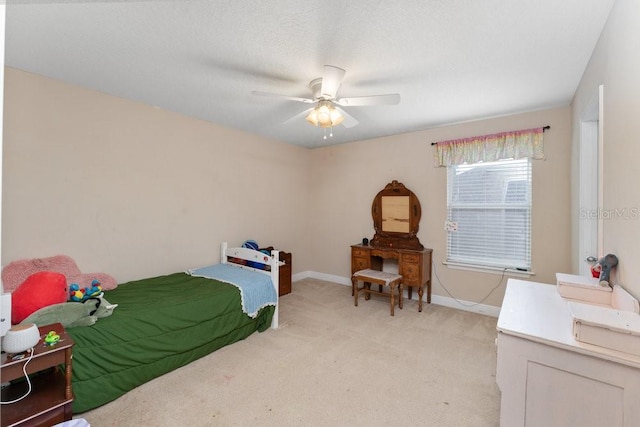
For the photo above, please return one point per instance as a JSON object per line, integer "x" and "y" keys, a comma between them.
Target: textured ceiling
{"x": 450, "y": 61}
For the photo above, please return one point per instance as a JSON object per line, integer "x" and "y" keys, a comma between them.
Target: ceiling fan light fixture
{"x": 336, "y": 117}
{"x": 313, "y": 117}
{"x": 325, "y": 115}
{"x": 326, "y": 112}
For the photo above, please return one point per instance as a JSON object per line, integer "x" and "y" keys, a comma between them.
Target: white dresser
{"x": 547, "y": 378}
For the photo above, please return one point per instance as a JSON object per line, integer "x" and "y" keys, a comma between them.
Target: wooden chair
{"x": 381, "y": 278}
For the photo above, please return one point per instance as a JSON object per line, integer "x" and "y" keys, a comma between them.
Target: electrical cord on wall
{"x": 24, "y": 370}
{"x": 435, "y": 272}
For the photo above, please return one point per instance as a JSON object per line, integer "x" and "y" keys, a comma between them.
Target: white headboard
{"x": 252, "y": 258}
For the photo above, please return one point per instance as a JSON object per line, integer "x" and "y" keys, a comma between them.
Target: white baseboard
{"x": 488, "y": 310}
{"x": 322, "y": 276}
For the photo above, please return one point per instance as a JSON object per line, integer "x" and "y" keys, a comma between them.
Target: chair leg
{"x": 400, "y": 295}
{"x": 354, "y": 290}
{"x": 392, "y": 298}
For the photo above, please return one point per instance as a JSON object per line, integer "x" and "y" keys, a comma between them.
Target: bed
{"x": 165, "y": 322}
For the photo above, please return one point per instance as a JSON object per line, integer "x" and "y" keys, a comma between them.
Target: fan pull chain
{"x": 330, "y": 133}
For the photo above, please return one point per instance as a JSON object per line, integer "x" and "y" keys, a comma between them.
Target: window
{"x": 490, "y": 203}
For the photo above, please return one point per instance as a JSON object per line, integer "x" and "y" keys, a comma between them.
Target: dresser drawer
{"x": 410, "y": 273}
{"x": 358, "y": 264}
{"x": 357, "y": 252}
{"x": 411, "y": 258}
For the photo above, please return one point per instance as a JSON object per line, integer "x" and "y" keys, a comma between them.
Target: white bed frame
{"x": 247, "y": 254}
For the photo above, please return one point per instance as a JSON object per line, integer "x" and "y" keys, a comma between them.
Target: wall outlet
{"x": 450, "y": 226}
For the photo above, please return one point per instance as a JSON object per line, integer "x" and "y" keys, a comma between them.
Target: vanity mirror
{"x": 396, "y": 218}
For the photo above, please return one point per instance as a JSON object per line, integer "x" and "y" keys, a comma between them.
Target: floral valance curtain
{"x": 489, "y": 148}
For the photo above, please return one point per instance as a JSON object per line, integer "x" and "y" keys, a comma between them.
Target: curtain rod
{"x": 543, "y": 129}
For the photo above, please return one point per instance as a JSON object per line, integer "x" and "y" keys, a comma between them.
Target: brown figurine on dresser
{"x": 396, "y": 216}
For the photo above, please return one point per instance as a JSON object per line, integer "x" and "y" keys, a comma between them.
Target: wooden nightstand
{"x": 284, "y": 279}
{"x": 51, "y": 396}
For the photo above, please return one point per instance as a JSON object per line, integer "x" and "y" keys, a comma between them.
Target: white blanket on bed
{"x": 256, "y": 289}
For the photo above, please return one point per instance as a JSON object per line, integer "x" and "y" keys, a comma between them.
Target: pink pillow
{"x": 16, "y": 272}
{"x": 40, "y": 290}
{"x": 85, "y": 280}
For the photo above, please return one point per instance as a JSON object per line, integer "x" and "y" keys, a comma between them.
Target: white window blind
{"x": 490, "y": 204}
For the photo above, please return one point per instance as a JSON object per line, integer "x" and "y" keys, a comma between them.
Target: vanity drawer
{"x": 410, "y": 273}
{"x": 357, "y": 252}
{"x": 411, "y": 258}
{"x": 358, "y": 264}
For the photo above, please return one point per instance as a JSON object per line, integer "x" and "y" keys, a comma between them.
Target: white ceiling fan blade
{"x": 361, "y": 101}
{"x": 290, "y": 98}
{"x": 298, "y": 116}
{"x": 331, "y": 81}
{"x": 349, "y": 121}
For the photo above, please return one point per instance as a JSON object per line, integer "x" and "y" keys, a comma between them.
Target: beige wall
{"x": 135, "y": 191}
{"x": 346, "y": 178}
{"x": 615, "y": 64}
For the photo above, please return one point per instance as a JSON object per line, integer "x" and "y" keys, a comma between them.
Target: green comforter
{"x": 160, "y": 324}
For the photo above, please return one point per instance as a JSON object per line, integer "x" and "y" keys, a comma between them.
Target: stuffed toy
{"x": 72, "y": 314}
{"x": 604, "y": 267}
{"x": 79, "y": 295}
{"x": 75, "y": 293}
{"x": 16, "y": 272}
{"x": 105, "y": 309}
{"x": 94, "y": 291}
{"x": 37, "y": 291}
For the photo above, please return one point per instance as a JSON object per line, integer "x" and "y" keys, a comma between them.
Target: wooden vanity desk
{"x": 396, "y": 216}
{"x": 413, "y": 265}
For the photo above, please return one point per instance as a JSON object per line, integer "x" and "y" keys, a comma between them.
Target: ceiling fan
{"x": 327, "y": 112}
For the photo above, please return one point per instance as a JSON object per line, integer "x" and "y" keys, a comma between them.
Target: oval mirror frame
{"x": 396, "y": 216}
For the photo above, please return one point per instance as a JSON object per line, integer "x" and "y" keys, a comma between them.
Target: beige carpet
{"x": 331, "y": 364}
